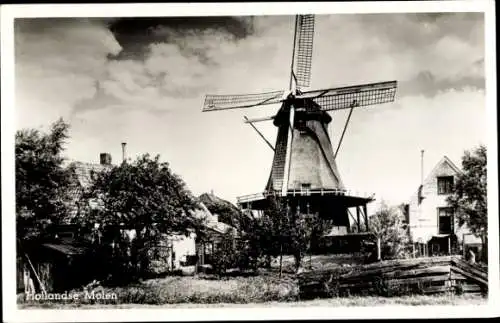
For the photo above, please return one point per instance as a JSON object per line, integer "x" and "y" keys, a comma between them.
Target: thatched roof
{"x": 83, "y": 173}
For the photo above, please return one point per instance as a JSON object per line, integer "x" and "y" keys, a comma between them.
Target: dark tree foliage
{"x": 41, "y": 180}
{"x": 145, "y": 196}
{"x": 281, "y": 230}
{"x": 469, "y": 196}
{"x": 226, "y": 254}
{"x": 389, "y": 225}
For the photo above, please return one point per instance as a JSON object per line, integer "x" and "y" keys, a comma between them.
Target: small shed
{"x": 54, "y": 266}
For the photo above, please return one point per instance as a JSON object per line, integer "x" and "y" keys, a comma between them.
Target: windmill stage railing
{"x": 304, "y": 192}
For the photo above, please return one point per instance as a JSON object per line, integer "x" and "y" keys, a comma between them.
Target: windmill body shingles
{"x": 312, "y": 161}
{"x": 278, "y": 168}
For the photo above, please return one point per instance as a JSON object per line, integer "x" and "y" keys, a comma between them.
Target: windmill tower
{"x": 304, "y": 169}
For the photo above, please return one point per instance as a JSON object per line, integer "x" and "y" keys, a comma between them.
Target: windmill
{"x": 304, "y": 170}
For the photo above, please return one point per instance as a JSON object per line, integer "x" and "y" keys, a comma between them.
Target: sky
{"x": 143, "y": 81}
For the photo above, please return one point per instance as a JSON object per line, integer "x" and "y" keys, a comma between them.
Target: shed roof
{"x": 66, "y": 249}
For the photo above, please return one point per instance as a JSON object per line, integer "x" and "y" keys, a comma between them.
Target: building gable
{"x": 428, "y": 199}
{"x": 445, "y": 167}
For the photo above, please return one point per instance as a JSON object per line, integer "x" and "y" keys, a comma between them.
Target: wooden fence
{"x": 396, "y": 277}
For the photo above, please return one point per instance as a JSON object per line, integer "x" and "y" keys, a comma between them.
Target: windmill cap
{"x": 301, "y": 113}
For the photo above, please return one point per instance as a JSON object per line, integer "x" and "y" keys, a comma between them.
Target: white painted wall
{"x": 424, "y": 217}
{"x": 183, "y": 246}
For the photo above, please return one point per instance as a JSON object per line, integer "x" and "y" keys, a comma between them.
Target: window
{"x": 445, "y": 184}
{"x": 445, "y": 220}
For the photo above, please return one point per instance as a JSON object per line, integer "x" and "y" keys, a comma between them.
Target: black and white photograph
{"x": 249, "y": 160}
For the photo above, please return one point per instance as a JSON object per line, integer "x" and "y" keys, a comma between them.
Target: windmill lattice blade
{"x": 358, "y": 95}
{"x": 305, "y": 37}
{"x": 224, "y": 102}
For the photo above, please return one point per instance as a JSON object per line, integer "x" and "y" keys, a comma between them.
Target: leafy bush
{"x": 388, "y": 224}
{"x": 225, "y": 255}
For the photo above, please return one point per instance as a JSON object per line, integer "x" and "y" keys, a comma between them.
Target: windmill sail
{"x": 358, "y": 95}
{"x": 304, "y": 36}
{"x": 224, "y": 102}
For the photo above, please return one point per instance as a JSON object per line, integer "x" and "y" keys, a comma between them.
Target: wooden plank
{"x": 358, "y": 218}
{"x": 436, "y": 289}
{"x": 478, "y": 267}
{"x": 470, "y": 276}
{"x": 361, "y": 272}
{"x": 417, "y": 272}
{"x": 387, "y": 264}
{"x": 471, "y": 288}
{"x": 475, "y": 270}
{"x": 400, "y": 281}
{"x": 396, "y": 262}
{"x": 396, "y": 271}
{"x": 456, "y": 276}
{"x": 400, "y": 269}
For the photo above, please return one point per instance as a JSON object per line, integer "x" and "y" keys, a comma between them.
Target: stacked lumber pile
{"x": 396, "y": 277}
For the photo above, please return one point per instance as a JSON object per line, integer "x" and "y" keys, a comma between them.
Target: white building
{"x": 432, "y": 223}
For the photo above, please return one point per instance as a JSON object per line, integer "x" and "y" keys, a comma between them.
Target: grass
{"x": 417, "y": 300}
{"x": 174, "y": 290}
{"x": 266, "y": 290}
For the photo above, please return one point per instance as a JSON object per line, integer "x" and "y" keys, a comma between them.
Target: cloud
{"x": 434, "y": 52}
{"x": 427, "y": 84}
{"x": 57, "y": 63}
{"x": 188, "y": 63}
{"x": 136, "y": 35}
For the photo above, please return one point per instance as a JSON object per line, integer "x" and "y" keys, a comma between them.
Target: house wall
{"x": 179, "y": 244}
{"x": 423, "y": 218}
{"x": 183, "y": 247}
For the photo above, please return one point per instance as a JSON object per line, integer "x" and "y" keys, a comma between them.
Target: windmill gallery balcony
{"x": 348, "y": 198}
{"x": 332, "y": 204}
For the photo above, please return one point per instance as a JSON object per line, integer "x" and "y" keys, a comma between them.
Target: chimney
{"x": 105, "y": 158}
{"x": 123, "y": 151}
{"x": 422, "y": 167}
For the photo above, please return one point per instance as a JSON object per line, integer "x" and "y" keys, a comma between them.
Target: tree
{"x": 144, "y": 196}
{"x": 302, "y": 230}
{"x": 41, "y": 180}
{"x": 283, "y": 229}
{"x": 388, "y": 225}
{"x": 226, "y": 254}
{"x": 469, "y": 196}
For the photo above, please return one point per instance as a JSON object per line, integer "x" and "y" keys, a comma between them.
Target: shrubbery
{"x": 225, "y": 255}
{"x": 174, "y": 290}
